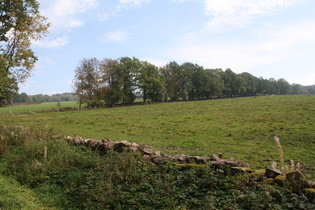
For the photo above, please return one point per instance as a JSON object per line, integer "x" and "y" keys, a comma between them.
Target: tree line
{"x": 39, "y": 98}
{"x": 120, "y": 81}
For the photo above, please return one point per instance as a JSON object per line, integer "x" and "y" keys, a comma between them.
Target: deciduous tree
{"x": 88, "y": 82}
{"x": 20, "y": 24}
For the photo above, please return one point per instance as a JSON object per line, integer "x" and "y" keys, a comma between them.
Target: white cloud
{"x": 133, "y": 2}
{"x": 63, "y": 8}
{"x": 270, "y": 45}
{"x": 227, "y": 14}
{"x": 66, "y": 14}
{"x": 115, "y": 36}
{"x": 126, "y": 4}
{"x": 58, "y": 42}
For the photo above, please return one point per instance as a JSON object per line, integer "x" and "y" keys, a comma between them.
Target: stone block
{"x": 272, "y": 173}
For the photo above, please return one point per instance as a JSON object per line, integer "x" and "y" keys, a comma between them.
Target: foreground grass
{"x": 61, "y": 176}
{"x": 242, "y": 128}
{"x": 15, "y": 196}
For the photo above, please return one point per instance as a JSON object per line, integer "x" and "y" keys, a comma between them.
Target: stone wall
{"x": 293, "y": 180}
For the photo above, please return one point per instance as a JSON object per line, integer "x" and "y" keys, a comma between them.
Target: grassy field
{"x": 23, "y": 109}
{"x": 242, "y": 128}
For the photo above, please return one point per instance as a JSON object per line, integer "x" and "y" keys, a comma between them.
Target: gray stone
{"x": 214, "y": 158}
{"x": 243, "y": 164}
{"x": 157, "y": 153}
{"x": 180, "y": 158}
{"x": 201, "y": 160}
{"x": 126, "y": 143}
{"x": 297, "y": 180}
{"x": 272, "y": 173}
{"x": 146, "y": 149}
{"x": 135, "y": 145}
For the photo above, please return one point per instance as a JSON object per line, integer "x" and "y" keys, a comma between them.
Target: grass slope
{"x": 15, "y": 196}
{"x": 242, "y": 128}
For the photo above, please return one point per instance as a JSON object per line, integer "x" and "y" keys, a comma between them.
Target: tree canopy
{"x": 121, "y": 81}
{"x": 20, "y": 24}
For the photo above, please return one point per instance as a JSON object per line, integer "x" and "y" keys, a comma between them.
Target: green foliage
{"x": 68, "y": 177}
{"x": 39, "y": 98}
{"x": 21, "y": 23}
{"x": 8, "y": 88}
{"x": 121, "y": 80}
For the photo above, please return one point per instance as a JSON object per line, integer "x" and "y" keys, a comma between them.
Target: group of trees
{"x": 113, "y": 81}
{"x": 24, "y": 98}
{"x": 20, "y": 24}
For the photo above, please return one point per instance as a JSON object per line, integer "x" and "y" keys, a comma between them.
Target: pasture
{"x": 240, "y": 128}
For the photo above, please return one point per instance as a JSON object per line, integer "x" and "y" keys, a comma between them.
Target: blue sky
{"x": 268, "y": 38}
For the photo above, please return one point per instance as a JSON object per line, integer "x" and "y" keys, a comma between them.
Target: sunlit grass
{"x": 242, "y": 128}
{"x": 24, "y": 109}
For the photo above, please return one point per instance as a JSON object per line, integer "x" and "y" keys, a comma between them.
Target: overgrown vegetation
{"x": 60, "y": 175}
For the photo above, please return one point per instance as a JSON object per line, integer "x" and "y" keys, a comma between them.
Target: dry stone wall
{"x": 294, "y": 179}
{"x": 150, "y": 155}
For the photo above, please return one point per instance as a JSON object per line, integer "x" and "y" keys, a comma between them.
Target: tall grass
{"x": 285, "y": 168}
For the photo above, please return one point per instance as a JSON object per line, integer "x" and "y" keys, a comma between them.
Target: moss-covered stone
{"x": 310, "y": 193}
{"x": 270, "y": 180}
{"x": 259, "y": 174}
{"x": 296, "y": 181}
{"x": 280, "y": 180}
{"x": 190, "y": 165}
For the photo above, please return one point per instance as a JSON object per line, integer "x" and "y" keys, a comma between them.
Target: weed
{"x": 284, "y": 167}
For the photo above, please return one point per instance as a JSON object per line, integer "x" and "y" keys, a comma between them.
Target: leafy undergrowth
{"x": 62, "y": 176}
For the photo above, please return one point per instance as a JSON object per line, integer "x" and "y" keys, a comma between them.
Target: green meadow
{"x": 240, "y": 128}
{"x": 23, "y": 109}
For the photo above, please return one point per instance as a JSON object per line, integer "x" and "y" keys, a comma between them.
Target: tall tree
{"x": 298, "y": 89}
{"x": 150, "y": 82}
{"x": 251, "y": 83}
{"x": 130, "y": 68}
{"x": 284, "y": 87}
{"x": 20, "y": 24}
{"x": 215, "y": 85}
{"x": 198, "y": 81}
{"x": 88, "y": 82}
{"x": 185, "y": 80}
{"x": 170, "y": 80}
{"x": 112, "y": 80}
